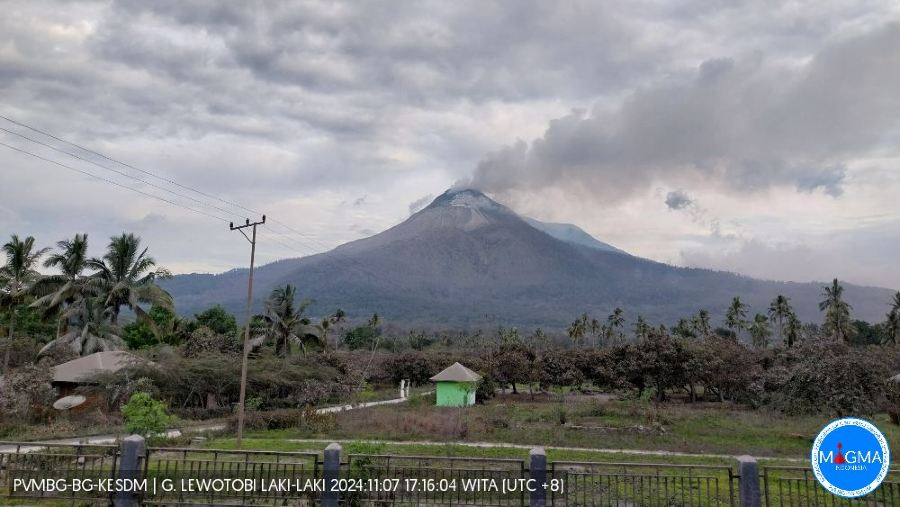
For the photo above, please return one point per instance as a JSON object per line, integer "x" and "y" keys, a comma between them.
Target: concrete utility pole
{"x": 252, "y": 240}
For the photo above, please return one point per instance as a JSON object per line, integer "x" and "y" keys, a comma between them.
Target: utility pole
{"x": 252, "y": 240}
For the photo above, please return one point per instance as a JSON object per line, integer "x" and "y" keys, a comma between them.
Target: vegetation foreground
{"x": 761, "y": 385}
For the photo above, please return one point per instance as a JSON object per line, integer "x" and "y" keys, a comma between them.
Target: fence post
{"x": 537, "y": 468}
{"x": 132, "y": 450}
{"x": 749, "y": 473}
{"x": 331, "y": 472}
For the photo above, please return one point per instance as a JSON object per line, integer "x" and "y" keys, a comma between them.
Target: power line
{"x": 149, "y": 173}
{"x": 121, "y": 173}
{"x": 101, "y": 178}
{"x": 327, "y": 253}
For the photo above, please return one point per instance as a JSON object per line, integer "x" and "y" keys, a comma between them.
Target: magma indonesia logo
{"x": 850, "y": 457}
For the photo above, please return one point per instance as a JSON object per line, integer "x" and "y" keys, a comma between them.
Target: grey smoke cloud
{"x": 745, "y": 125}
{"x": 678, "y": 199}
{"x": 420, "y": 203}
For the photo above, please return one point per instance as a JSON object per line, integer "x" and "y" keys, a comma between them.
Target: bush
{"x": 204, "y": 340}
{"x": 26, "y": 395}
{"x": 218, "y": 320}
{"x": 145, "y": 416}
{"x": 829, "y": 377}
{"x": 414, "y": 366}
{"x": 285, "y": 418}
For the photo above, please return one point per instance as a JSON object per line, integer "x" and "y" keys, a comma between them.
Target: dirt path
{"x": 174, "y": 432}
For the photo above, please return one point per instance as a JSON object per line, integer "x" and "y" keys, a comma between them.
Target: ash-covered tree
{"x": 779, "y": 312}
{"x": 702, "y": 324}
{"x": 514, "y": 363}
{"x": 663, "y": 359}
{"x": 58, "y": 291}
{"x": 760, "y": 331}
{"x": 837, "y": 324}
{"x": 736, "y": 316}
{"x": 286, "y": 323}
{"x": 892, "y": 323}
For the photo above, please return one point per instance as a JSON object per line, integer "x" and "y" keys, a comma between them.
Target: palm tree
{"x": 17, "y": 276}
{"x": 63, "y": 289}
{"x": 91, "y": 330}
{"x": 128, "y": 277}
{"x": 327, "y": 323}
{"x": 892, "y": 328}
{"x": 837, "y": 312}
{"x": 701, "y": 323}
{"x": 616, "y": 321}
{"x": 792, "y": 330}
{"x": 736, "y": 316}
{"x": 596, "y": 330}
{"x": 892, "y": 324}
{"x": 684, "y": 329}
{"x": 641, "y": 328}
{"x": 779, "y": 310}
{"x": 286, "y": 322}
{"x": 578, "y": 328}
{"x": 760, "y": 331}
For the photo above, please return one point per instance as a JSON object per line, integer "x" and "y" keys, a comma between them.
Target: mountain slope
{"x": 467, "y": 261}
{"x": 571, "y": 234}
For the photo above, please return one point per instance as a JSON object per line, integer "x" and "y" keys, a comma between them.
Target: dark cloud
{"x": 678, "y": 199}
{"x": 748, "y": 126}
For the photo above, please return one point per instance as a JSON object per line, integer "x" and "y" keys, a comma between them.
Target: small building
{"x": 68, "y": 376}
{"x": 456, "y": 386}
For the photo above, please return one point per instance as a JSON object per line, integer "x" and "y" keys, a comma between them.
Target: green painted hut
{"x": 456, "y": 386}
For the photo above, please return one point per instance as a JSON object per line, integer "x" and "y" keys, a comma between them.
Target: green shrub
{"x": 145, "y": 416}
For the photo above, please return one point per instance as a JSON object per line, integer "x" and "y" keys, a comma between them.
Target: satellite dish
{"x": 68, "y": 402}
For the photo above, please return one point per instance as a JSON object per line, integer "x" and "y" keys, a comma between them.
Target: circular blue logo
{"x": 850, "y": 457}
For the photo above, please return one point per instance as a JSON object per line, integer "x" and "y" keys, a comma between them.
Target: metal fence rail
{"x": 23, "y": 462}
{"x": 797, "y": 487}
{"x": 431, "y": 480}
{"x": 218, "y": 476}
{"x": 642, "y": 484}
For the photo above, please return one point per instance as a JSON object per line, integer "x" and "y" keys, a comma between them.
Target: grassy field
{"x": 595, "y": 422}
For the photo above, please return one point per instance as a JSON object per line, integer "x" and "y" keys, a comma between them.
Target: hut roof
{"x": 456, "y": 373}
{"x": 79, "y": 370}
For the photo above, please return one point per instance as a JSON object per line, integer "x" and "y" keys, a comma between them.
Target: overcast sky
{"x": 759, "y": 137}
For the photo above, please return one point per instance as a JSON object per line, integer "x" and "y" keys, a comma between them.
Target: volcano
{"x": 466, "y": 261}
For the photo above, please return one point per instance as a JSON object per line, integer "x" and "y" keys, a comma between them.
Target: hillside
{"x": 468, "y": 261}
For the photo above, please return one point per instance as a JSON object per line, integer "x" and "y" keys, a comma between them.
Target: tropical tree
{"x": 17, "y": 276}
{"x": 641, "y": 328}
{"x": 596, "y": 330}
{"x": 837, "y": 312}
{"x": 58, "y": 291}
{"x": 793, "y": 330}
{"x": 779, "y": 311}
{"x": 578, "y": 328}
{"x": 127, "y": 277}
{"x": 286, "y": 323}
{"x": 760, "y": 331}
{"x": 892, "y": 324}
{"x": 327, "y": 323}
{"x": 684, "y": 329}
{"x": 892, "y": 328}
{"x": 736, "y": 316}
{"x": 91, "y": 329}
{"x": 702, "y": 323}
{"x": 615, "y": 322}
